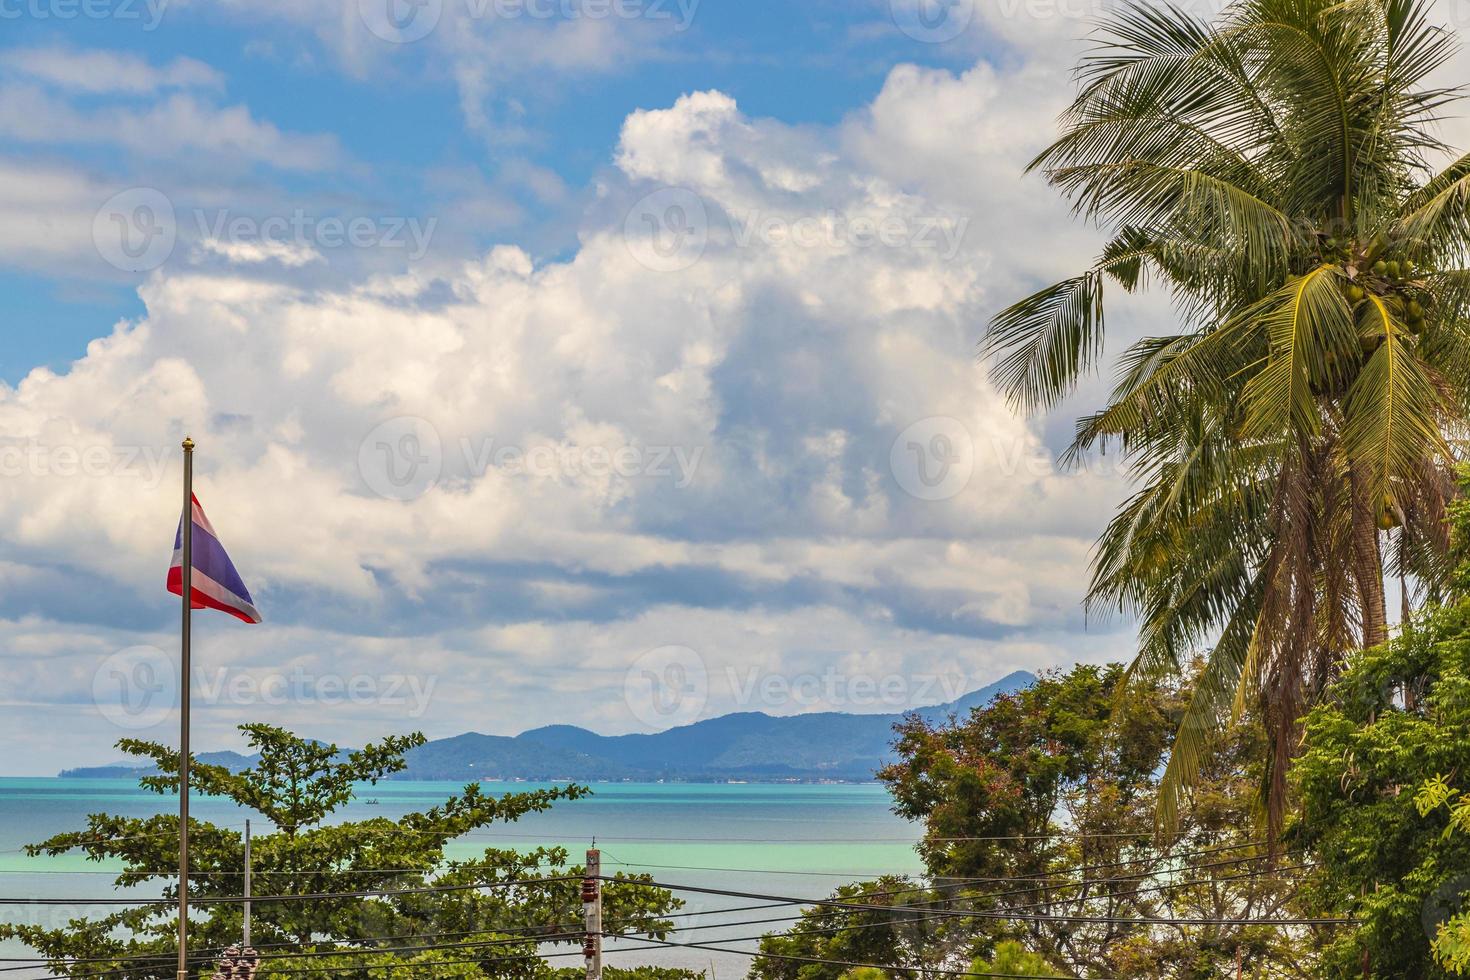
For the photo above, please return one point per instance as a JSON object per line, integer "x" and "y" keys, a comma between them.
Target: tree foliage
{"x": 1383, "y": 757}
{"x": 1273, "y": 170}
{"x": 1397, "y": 719}
{"x": 1451, "y": 940}
{"x": 1010, "y": 959}
{"x": 1038, "y": 817}
{"x": 424, "y": 915}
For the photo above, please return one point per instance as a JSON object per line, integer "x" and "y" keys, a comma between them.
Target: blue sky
{"x": 530, "y": 358}
{"x": 396, "y": 113}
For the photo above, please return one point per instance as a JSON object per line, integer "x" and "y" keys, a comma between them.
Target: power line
{"x": 847, "y": 963}
{"x": 317, "y": 896}
{"x": 868, "y": 874}
{"x": 1041, "y": 881}
{"x": 956, "y": 913}
{"x": 546, "y": 933}
{"x": 647, "y": 944}
{"x": 1258, "y": 875}
{"x": 545, "y": 937}
{"x": 763, "y": 871}
{"x": 209, "y": 955}
{"x": 227, "y": 899}
{"x": 922, "y": 908}
{"x": 396, "y": 967}
{"x": 1063, "y": 835}
{"x": 32, "y": 850}
{"x": 958, "y": 878}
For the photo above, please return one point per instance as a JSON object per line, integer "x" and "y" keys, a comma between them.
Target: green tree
{"x": 1380, "y": 814}
{"x": 1273, "y": 171}
{"x": 1011, "y": 960}
{"x": 1451, "y": 940}
{"x": 1398, "y": 718}
{"x": 422, "y": 910}
{"x": 1038, "y": 816}
{"x": 889, "y": 927}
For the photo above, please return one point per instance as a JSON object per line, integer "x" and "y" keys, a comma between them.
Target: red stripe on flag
{"x": 199, "y": 600}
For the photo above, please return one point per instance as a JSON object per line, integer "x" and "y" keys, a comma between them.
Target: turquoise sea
{"x": 797, "y": 841}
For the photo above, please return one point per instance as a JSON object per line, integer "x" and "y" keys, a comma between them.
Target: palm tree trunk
{"x": 1368, "y": 562}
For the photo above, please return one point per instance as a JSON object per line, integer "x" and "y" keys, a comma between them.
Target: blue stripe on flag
{"x": 210, "y": 558}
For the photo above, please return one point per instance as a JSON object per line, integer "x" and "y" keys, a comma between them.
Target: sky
{"x": 607, "y": 362}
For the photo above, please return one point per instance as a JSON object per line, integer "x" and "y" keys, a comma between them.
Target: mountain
{"x": 232, "y": 761}
{"x": 748, "y": 745}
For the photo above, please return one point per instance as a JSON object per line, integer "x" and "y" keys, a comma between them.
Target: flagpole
{"x": 188, "y": 592}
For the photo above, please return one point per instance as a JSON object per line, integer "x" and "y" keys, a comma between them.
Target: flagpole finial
{"x": 188, "y": 444}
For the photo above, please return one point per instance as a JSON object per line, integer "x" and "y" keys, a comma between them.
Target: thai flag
{"x": 214, "y": 584}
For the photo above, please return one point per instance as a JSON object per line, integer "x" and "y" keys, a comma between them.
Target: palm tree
{"x": 1272, "y": 170}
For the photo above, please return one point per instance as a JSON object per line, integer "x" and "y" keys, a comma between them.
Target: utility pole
{"x": 247, "y": 883}
{"x": 592, "y": 913}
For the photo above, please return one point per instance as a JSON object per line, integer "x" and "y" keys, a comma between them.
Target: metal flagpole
{"x": 187, "y": 583}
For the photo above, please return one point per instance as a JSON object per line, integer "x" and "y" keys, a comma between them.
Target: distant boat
{"x": 371, "y": 802}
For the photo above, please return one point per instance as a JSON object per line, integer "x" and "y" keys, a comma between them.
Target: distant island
{"x": 750, "y": 746}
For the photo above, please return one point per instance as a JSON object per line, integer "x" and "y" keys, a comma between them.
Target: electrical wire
{"x": 955, "y": 913}
{"x": 848, "y": 963}
{"x": 317, "y": 896}
{"x": 543, "y": 937}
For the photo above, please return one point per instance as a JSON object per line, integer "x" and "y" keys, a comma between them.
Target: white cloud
{"x": 713, "y": 419}
{"x": 290, "y": 254}
{"x": 488, "y": 49}
{"x": 46, "y": 214}
{"x": 96, "y": 72}
{"x": 176, "y": 123}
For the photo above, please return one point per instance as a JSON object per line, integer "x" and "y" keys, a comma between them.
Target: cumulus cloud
{"x": 744, "y": 417}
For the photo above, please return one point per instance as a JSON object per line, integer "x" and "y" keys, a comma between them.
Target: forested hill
{"x": 747, "y": 745}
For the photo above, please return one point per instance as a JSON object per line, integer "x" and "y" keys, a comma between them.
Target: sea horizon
{"x": 781, "y": 839}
